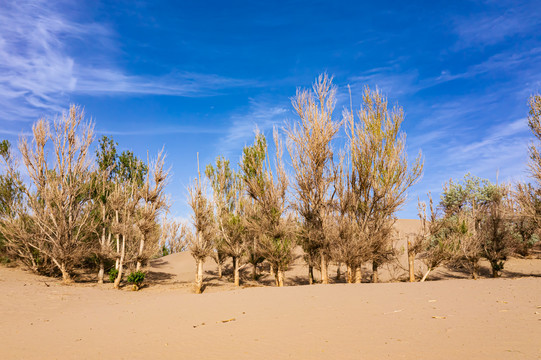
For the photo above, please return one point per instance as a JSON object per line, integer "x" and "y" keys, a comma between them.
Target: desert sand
{"x": 449, "y": 317}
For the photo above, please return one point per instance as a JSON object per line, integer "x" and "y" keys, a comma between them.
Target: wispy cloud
{"x": 500, "y": 21}
{"x": 260, "y": 115}
{"x": 38, "y": 73}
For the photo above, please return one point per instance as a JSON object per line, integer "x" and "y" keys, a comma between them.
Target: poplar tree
{"x": 381, "y": 174}
{"x": 309, "y": 145}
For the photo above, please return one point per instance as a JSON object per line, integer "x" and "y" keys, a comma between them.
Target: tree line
{"x": 338, "y": 200}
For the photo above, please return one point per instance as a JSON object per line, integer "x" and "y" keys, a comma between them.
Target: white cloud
{"x": 498, "y": 22}
{"x": 260, "y": 115}
{"x": 38, "y": 73}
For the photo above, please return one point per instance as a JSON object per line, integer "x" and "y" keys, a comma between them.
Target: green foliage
{"x": 10, "y": 188}
{"x": 136, "y": 278}
{"x": 253, "y": 161}
{"x": 106, "y": 154}
{"x": 126, "y": 166}
{"x": 470, "y": 193}
{"x": 131, "y": 168}
{"x": 165, "y": 250}
{"x": 113, "y": 273}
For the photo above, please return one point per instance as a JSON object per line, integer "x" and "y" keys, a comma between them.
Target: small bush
{"x": 113, "y": 273}
{"x": 136, "y": 278}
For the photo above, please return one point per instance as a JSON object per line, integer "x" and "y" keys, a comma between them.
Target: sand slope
{"x": 454, "y": 318}
{"x": 484, "y": 319}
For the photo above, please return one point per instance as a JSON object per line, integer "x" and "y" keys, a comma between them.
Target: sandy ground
{"x": 453, "y": 318}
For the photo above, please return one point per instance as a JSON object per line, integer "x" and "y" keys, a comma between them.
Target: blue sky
{"x": 199, "y": 76}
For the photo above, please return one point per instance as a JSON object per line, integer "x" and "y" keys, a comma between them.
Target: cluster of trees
{"x": 342, "y": 205}
{"x": 349, "y": 177}
{"x": 477, "y": 219}
{"x": 76, "y": 211}
{"x": 474, "y": 220}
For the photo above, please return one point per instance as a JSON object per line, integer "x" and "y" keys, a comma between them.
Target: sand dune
{"x": 485, "y": 319}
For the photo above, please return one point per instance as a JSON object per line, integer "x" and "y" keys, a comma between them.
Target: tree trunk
{"x": 338, "y": 274}
{"x": 411, "y": 263}
{"x": 66, "y": 277}
{"x": 117, "y": 243}
{"x": 219, "y": 270}
{"x": 495, "y": 273}
{"x": 254, "y": 272}
{"x": 101, "y": 272}
{"x": 280, "y": 278}
{"x": 120, "y": 263}
{"x": 426, "y": 274}
{"x": 374, "y": 272}
{"x": 140, "y": 254}
{"x": 272, "y": 272}
{"x": 475, "y": 271}
{"x": 358, "y": 275}
{"x": 100, "y": 256}
{"x": 199, "y": 276}
{"x": 324, "y": 269}
{"x": 310, "y": 274}
{"x": 349, "y": 274}
{"x": 236, "y": 270}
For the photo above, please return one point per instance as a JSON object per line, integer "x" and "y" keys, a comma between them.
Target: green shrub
{"x": 136, "y": 278}
{"x": 113, "y": 273}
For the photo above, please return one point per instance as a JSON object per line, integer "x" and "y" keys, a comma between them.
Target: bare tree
{"x": 123, "y": 201}
{"x": 172, "y": 236}
{"x": 309, "y": 145}
{"x": 203, "y": 222}
{"x": 431, "y": 242}
{"x": 60, "y": 201}
{"x": 227, "y": 191}
{"x": 152, "y": 202}
{"x": 104, "y": 219}
{"x": 381, "y": 174}
{"x": 267, "y": 217}
{"x": 347, "y": 245}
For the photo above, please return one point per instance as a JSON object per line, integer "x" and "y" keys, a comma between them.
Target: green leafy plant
{"x": 113, "y": 273}
{"x": 136, "y": 278}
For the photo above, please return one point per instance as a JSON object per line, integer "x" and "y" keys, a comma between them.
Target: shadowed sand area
{"x": 448, "y": 319}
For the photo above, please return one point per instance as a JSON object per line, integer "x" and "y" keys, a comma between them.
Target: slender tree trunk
{"x": 280, "y": 278}
{"x": 199, "y": 276}
{"x": 254, "y": 271}
{"x": 411, "y": 263}
{"x": 495, "y": 273}
{"x": 349, "y": 274}
{"x": 374, "y": 272}
{"x": 120, "y": 263}
{"x": 219, "y": 270}
{"x": 66, "y": 277}
{"x": 324, "y": 269}
{"x": 101, "y": 272}
{"x": 117, "y": 243}
{"x": 100, "y": 256}
{"x": 141, "y": 248}
{"x": 236, "y": 270}
{"x": 426, "y": 274}
{"x": 310, "y": 274}
{"x": 474, "y": 265}
{"x": 272, "y": 272}
{"x": 338, "y": 274}
{"x": 358, "y": 275}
